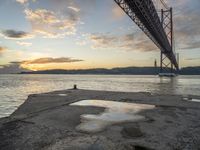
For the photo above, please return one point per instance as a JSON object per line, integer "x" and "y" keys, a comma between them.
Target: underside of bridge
{"x": 158, "y": 29}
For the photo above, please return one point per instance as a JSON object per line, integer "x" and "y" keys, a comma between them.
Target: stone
{"x": 132, "y": 132}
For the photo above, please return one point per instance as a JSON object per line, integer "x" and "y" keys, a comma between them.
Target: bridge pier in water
{"x": 167, "y": 67}
{"x": 158, "y": 29}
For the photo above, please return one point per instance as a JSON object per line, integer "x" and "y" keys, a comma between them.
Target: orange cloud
{"x": 48, "y": 63}
{"x": 48, "y": 60}
{"x": 2, "y": 49}
{"x": 50, "y": 25}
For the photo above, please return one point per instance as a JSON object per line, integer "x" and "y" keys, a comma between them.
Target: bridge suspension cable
{"x": 164, "y": 4}
{"x": 144, "y": 14}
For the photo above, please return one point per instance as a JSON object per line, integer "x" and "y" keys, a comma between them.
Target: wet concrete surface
{"x": 115, "y": 113}
{"x": 47, "y": 121}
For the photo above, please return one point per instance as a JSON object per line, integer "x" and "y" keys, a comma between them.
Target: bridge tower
{"x": 166, "y": 66}
{"x": 158, "y": 29}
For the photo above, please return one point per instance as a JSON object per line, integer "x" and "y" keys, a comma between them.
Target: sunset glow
{"x": 95, "y": 34}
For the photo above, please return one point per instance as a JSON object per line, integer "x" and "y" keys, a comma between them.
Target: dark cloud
{"x": 12, "y": 67}
{"x": 15, "y": 34}
{"x": 191, "y": 59}
{"x": 17, "y": 66}
{"x": 48, "y": 60}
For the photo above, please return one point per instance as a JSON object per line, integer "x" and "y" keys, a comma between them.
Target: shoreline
{"x": 47, "y": 121}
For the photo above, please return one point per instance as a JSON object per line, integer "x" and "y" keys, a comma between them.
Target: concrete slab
{"x": 47, "y": 121}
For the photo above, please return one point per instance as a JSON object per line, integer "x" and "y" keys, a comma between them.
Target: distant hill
{"x": 190, "y": 71}
{"x": 118, "y": 71}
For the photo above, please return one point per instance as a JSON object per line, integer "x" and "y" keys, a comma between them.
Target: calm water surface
{"x": 14, "y": 89}
{"x": 115, "y": 113}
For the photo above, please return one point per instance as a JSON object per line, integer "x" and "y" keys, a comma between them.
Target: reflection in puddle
{"x": 116, "y": 112}
{"x": 62, "y": 94}
{"x": 191, "y": 99}
{"x": 195, "y": 100}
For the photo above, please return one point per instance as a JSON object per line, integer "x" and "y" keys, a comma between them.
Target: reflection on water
{"x": 62, "y": 94}
{"x": 195, "y": 100}
{"x": 167, "y": 84}
{"x": 116, "y": 112}
{"x": 14, "y": 89}
{"x": 191, "y": 99}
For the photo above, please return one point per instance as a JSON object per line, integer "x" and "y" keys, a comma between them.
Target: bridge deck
{"x": 144, "y": 14}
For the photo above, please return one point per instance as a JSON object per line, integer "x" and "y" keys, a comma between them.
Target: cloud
{"x": 103, "y": 41}
{"x": 74, "y": 8}
{"x": 13, "y": 34}
{"x": 49, "y": 60}
{"x": 190, "y": 44}
{"x": 2, "y": 50}
{"x": 186, "y": 23}
{"x": 22, "y": 1}
{"x": 27, "y": 44}
{"x": 27, "y": 65}
{"x": 191, "y": 59}
{"x": 52, "y": 25}
{"x": 128, "y": 42}
{"x": 81, "y": 43}
{"x": 12, "y": 67}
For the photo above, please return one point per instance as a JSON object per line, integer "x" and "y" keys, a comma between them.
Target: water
{"x": 116, "y": 112}
{"x": 14, "y": 89}
{"x": 191, "y": 99}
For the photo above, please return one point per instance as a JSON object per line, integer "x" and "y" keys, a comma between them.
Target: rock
{"x": 131, "y": 132}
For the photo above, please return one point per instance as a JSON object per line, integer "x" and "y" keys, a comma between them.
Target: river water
{"x": 14, "y": 89}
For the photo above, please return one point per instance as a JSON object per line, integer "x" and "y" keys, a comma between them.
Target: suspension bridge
{"x": 159, "y": 28}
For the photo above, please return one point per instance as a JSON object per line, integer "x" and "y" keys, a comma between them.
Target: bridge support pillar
{"x": 166, "y": 67}
{"x": 159, "y": 30}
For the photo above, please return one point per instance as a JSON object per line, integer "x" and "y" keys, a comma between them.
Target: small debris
{"x": 75, "y": 87}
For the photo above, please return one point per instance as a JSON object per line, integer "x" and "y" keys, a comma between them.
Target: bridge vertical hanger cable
{"x": 164, "y": 4}
{"x": 144, "y": 14}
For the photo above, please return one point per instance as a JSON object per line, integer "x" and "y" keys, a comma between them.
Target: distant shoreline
{"x": 117, "y": 71}
{"x": 96, "y": 74}
{"x": 113, "y": 71}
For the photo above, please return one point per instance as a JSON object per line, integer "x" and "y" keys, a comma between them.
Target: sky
{"x": 80, "y": 34}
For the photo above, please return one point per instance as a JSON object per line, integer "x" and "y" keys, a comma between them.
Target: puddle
{"x": 115, "y": 112}
{"x": 62, "y": 94}
{"x": 195, "y": 100}
{"x": 191, "y": 99}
